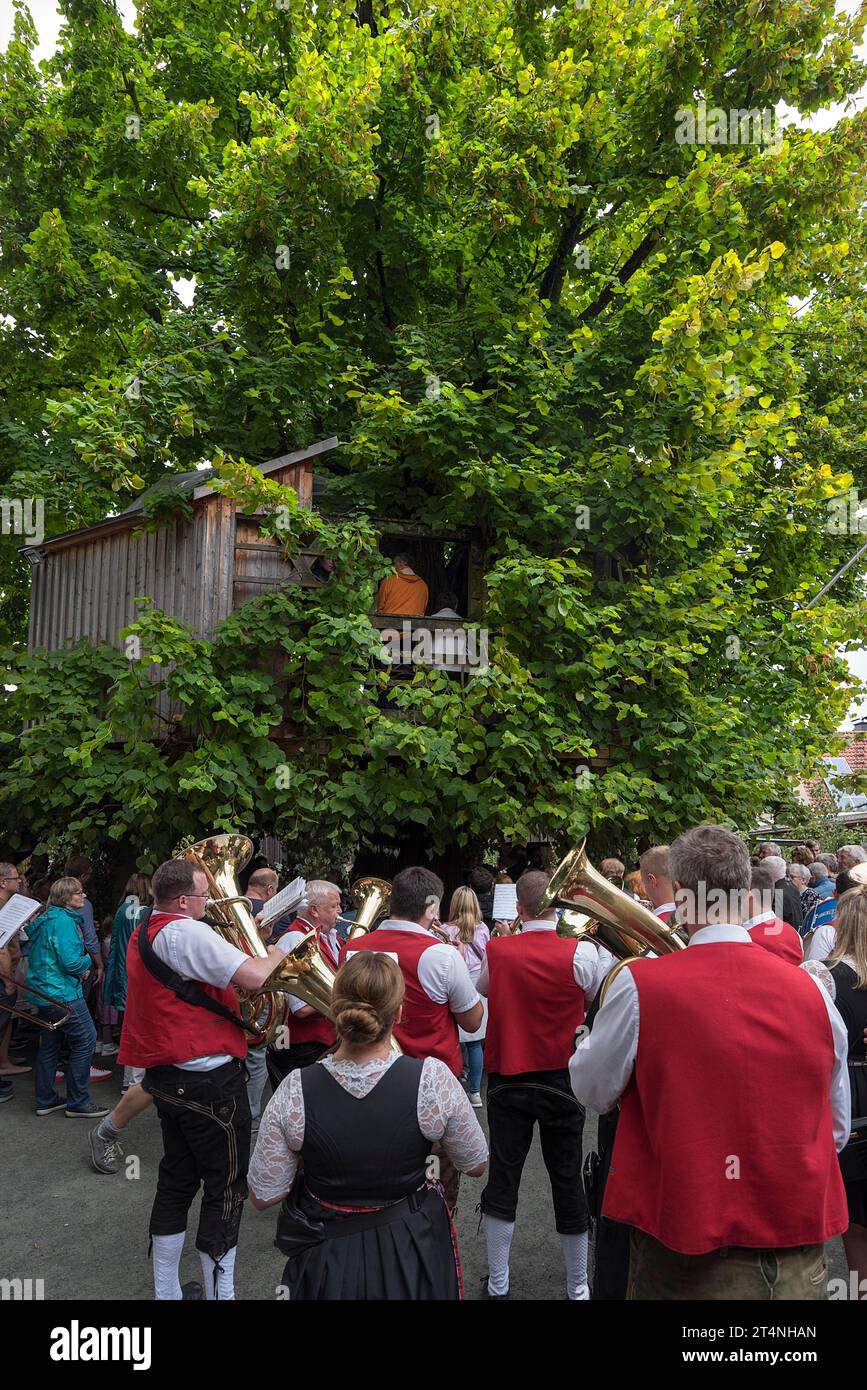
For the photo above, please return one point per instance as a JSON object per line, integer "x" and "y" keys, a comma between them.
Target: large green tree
{"x": 471, "y": 241}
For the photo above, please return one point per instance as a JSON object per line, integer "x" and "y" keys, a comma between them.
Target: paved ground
{"x": 85, "y": 1235}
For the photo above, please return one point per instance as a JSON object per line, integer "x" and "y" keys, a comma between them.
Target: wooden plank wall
{"x": 88, "y": 586}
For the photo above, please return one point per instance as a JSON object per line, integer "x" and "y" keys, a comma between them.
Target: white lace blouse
{"x": 444, "y": 1114}
{"x": 820, "y": 971}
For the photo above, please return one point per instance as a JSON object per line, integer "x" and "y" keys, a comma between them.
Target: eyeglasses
{"x": 190, "y": 895}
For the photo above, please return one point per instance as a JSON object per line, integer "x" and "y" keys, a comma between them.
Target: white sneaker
{"x": 110, "y": 1049}
{"x": 475, "y": 1100}
{"x": 581, "y": 1294}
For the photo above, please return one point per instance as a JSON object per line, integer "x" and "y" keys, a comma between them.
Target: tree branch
{"x": 625, "y": 273}
{"x": 131, "y": 93}
{"x": 364, "y": 15}
{"x": 551, "y": 284}
{"x": 164, "y": 212}
{"x": 387, "y": 314}
{"x": 554, "y": 274}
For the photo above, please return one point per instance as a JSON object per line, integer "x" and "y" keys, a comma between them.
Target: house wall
{"x": 86, "y": 586}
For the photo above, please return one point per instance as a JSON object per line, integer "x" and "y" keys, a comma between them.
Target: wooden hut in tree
{"x": 85, "y": 583}
{"x": 200, "y": 568}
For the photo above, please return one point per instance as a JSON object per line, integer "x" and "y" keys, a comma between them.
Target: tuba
{"x": 306, "y": 975}
{"x": 595, "y": 908}
{"x": 221, "y": 858}
{"x": 372, "y": 898}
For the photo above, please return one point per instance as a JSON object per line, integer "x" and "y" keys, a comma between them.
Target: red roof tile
{"x": 855, "y": 752}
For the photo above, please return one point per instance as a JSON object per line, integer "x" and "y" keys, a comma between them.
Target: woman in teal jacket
{"x": 136, "y": 898}
{"x": 58, "y": 965}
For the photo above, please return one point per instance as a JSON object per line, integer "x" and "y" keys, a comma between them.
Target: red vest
{"x": 534, "y": 1003}
{"x": 725, "y": 1134}
{"x": 159, "y": 1029}
{"x": 777, "y": 936}
{"x": 427, "y": 1029}
{"x": 317, "y": 1028}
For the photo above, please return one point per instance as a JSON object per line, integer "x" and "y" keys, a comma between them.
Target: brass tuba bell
{"x": 221, "y": 858}
{"x": 596, "y": 909}
{"x": 306, "y": 975}
{"x": 372, "y": 898}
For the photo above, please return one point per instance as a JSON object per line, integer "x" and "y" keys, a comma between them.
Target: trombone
{"x": 34, "y": 1018}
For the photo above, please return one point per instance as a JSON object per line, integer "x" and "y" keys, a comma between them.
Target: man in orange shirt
{"x": 404, "y": 591}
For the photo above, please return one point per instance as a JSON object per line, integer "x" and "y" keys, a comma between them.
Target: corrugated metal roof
{"x": 198, "y": 483}
{"x": 186, "y": 482}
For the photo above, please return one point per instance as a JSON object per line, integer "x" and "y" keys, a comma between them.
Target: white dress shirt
{"x": 603, "y": 1061}
{"x": 585, "y": 962}
{"x": 823, "y": 942}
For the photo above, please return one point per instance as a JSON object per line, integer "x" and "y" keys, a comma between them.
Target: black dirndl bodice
{"x": 361, "y": 1155}
{"x": 361, "y": 1151}
{"x": 852, "y": 1005}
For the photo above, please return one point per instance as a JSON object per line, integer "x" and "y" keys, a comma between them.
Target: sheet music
{"x": 286, "y": 900}
{"x": 505, "y": 902}
{"x": 17, "y": 911}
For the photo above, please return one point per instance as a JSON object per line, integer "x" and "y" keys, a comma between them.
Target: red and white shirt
{"x": 435, "y": 974}
{"x": 776, "y": 935}
{"x": 680, "y": 1042}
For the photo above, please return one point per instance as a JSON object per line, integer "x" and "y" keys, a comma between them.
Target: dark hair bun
{"x": 357, "y": 1022}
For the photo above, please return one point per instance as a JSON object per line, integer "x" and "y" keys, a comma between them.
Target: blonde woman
{"x": 844, "y": 975}
{"x": 469, "y": 932}
{"x": 345, "y": 1145}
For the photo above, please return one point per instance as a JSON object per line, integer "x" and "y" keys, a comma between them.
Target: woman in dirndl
{"x": 844, "y": 975}
{"x": 345, "y": 1147}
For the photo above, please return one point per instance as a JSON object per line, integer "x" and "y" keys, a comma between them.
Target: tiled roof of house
{"x": 852, "y": 758}
{"x": 855, "y": 752}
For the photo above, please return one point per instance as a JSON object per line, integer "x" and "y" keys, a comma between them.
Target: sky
{"x": 48, "y": 20}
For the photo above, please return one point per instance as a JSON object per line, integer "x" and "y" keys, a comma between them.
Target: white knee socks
{"x": 498, "y": 1236}
{"x": 167, "y": 1262}
{"x": 575, "y": 1255}
{"x": 224, "y": 1269}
